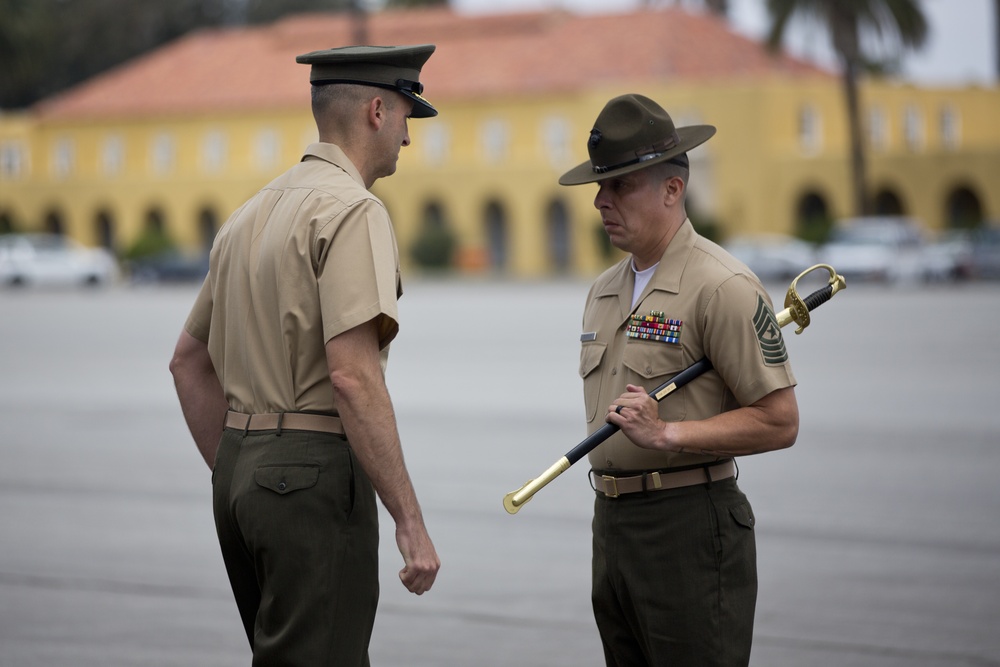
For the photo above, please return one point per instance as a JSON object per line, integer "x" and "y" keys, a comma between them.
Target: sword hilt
{"x": 797, "y": 309}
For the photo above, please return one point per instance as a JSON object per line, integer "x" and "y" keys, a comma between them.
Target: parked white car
{"x": 885, "y": 249}
{"x": 772, "y": 256}
{"x": 53, "y": 259}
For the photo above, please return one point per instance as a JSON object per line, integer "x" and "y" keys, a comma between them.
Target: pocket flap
{"x": 285, "y": 479}
{"x": 590, "y": 357}
{"x": 743, "y": 515}
{"x": 653, "y": 360}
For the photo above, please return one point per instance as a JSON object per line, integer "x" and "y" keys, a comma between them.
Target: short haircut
{"x": 338, "y": 101}
{"x": 670, "y": 169}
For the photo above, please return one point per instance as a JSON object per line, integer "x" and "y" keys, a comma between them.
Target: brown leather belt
{"x": 276, "y": 421}
{"x": 612, "y": 487}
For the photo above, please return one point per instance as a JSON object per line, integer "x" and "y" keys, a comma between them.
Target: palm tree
{"x": 898, "y": 24}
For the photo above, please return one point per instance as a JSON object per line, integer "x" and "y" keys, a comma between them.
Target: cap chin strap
{"x": 401, "y": 85}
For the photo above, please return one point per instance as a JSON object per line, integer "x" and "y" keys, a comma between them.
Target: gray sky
{"x": 960, "y": 48}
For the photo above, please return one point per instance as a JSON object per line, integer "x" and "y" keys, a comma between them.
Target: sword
{"x": 796, "y": 310}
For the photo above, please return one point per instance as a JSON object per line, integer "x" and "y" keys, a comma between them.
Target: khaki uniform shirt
{"x": 310, "y": 256}
{"x": 726, "y": 315}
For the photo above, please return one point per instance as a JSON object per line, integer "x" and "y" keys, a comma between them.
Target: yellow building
{"x": 176, "y": 140}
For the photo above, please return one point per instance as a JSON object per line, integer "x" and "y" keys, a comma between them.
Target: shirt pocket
{"x": 651, "y": 364}
{"x": 591, "y": 355}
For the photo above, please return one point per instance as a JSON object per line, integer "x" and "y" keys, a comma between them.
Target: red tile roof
{"x": 254, "y": 68}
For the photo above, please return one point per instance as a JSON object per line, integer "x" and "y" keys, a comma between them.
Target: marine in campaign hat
{"x": 393, "y": 67}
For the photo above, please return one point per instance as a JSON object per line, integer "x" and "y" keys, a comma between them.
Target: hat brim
{"x": 421, "y": 107}
{"x": 689, "y": 137}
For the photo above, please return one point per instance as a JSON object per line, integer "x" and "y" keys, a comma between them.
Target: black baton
{"x": 796, "y": 310}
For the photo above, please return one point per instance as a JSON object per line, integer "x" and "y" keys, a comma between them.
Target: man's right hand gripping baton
{"x": 796, "y": 310}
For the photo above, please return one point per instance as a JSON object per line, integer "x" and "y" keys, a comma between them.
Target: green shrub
{"x": 434, "y": 248}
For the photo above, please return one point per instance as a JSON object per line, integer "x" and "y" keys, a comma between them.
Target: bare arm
{"x": 366, "y": 411}
{"x": 202, "y": 400}
{"x": 770, "y": 423}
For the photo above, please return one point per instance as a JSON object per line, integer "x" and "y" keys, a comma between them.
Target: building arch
{"x": 155, "y": 221}
{"x": 497, "y": 232}
{"x": 104, "y": 229}
{"x": 208, "y": 227}
{"x": 54, "y": 221}
{"x": 558, "y": 235}
{"x": 813, "y": 218}
{"x": 434, "y": 245}
{"x": 888, "y": 202}
{"x": 8, "y": 221}
{"x": 963, "y": 208}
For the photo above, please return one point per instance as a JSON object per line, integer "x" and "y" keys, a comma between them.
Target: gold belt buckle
{"x": 614, "y": 484}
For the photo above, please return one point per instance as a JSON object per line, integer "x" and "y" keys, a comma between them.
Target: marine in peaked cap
{"x": 302, "y": 436}
{"x": 633, "y": 132}
{"x": 393, "y": 67}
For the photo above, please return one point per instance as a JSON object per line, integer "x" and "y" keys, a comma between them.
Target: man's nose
{"x": 601, "y": 200}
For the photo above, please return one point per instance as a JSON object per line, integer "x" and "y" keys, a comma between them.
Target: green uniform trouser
{"x": 298, "y": 527}
{"x": 675, "y": 577}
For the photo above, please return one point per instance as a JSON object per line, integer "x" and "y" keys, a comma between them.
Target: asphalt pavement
{"x": 878, "y": 533}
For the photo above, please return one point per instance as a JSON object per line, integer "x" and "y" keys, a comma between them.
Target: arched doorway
{"x": 208, "y": 227}
{"x": 558, "y": 235}
{"x": 55, "y": 222}
{"x": 887, "y": 202}
{"x": 104, "y": 229}
{"x": 812, "y": 218}
{"x": 497, "y": 235}
{"x": 963, "y": 210}
{"x": 434, "y": 246}
{"x": 156, "y": 222}
{"x": 7, "y": 222}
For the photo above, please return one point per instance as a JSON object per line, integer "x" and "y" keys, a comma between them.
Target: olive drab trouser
{"x": 675, "y": 576}
{"x": 298, "y": 526}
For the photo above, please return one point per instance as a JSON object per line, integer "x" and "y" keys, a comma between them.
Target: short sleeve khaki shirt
{"x": 310, "y": 256}
{"x": 725, "y": 314}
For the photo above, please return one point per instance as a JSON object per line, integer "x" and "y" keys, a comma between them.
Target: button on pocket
{"x": 285, "y": 479}
{"x": 743, "y": 515}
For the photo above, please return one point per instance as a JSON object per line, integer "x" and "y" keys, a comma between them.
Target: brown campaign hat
{"x": 393, "y": 67}
{"x": 633, "y": 132}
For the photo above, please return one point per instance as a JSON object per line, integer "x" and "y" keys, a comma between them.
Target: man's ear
{"x": 673, "y": 190}
{"x": 377, "y": 111}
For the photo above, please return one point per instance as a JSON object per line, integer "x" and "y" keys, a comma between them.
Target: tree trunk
{"x": 859, "y": 175}
{"x": 844, "y": 31}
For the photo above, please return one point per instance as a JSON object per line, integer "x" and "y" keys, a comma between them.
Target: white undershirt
{"x": 641, "y": 280}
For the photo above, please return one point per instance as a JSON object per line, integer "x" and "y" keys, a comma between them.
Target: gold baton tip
{"x": 512, "y": 504}
{"x": 515, "y": 499}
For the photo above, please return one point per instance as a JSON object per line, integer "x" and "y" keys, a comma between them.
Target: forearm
{"x": 200, "y": 393}
{"x": 770, "y": 423}
{"x": 740, "y": 432}
{"x": 366, "y": 411}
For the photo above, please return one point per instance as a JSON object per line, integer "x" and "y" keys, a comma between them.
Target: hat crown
{"x": 633, "y": 132}
{"x": 394, "y": 67}
{"x": 630, "y": 127}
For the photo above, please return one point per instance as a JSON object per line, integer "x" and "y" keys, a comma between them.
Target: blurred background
{"x": 130, "y": 131}
{"x": 136, "y": 129}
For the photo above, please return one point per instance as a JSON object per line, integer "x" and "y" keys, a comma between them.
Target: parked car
{"x": 984, "y": 253}
{"x": 171, "y": 266}
{"x": 772, "y": 256}
{"x": 53, "y": 259}
{"x": 949, "y": 256}
{"x": 887, "y": 249}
